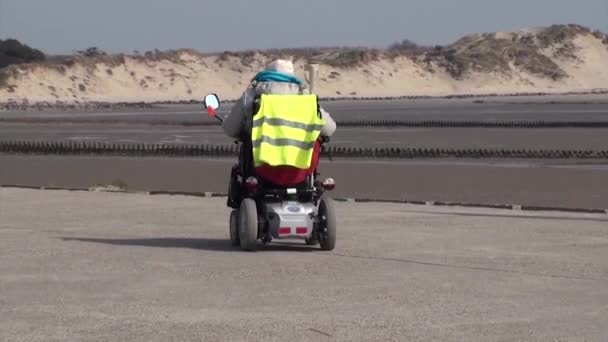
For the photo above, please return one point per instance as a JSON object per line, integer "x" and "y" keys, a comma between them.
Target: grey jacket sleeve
{"x": 234, "y": 123}
{"x": 330, "y": 125}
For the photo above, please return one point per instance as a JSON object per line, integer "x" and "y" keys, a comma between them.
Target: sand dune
{"x": 553, "y": 60}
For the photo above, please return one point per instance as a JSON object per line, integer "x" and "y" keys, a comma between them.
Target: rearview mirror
{"x": 212, "y": 103}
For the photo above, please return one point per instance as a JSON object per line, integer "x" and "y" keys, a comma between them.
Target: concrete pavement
{"x": 101, "y": 266}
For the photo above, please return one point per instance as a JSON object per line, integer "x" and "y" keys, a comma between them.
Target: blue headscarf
{"x": 274, "y": 76}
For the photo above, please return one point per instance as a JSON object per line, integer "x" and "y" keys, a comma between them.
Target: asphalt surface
{"x": 130, "y": 126}
{"x": 538, "y": 183}
{"x": 551, "y": 108}
{"x": 99, "y": 266}
{"x": 532, "y": 183}
{"x": 460, "y": 138}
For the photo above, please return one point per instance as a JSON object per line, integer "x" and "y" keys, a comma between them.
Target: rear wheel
{"x": 327, "y": 233}
{"x": 234, "y": 228}
{"x": 248, "y": 225}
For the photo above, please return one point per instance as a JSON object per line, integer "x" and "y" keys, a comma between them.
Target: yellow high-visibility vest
{"x": 285, "y": 130}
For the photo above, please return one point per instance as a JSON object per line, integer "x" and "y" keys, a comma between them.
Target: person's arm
{"x": 234, "y": 124}
{"x": 330, "y": 125}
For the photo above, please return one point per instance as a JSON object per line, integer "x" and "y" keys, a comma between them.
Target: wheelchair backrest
{"x": 257, "y": 102}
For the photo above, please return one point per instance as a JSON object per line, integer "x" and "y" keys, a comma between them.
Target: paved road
{"x": 508, "y": 109}
{"x": 499, "y": 138}
{"x": 565, "y": 138}
{"x": 535, "y": 184}
{"x": 96, "y": 266}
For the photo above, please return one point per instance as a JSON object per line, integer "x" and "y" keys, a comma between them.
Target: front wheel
{"x": 233, "y": 189}
{"x": 327, "y": 233}
{"x": 234, "y": 228}
{"x": 248, "y": 225}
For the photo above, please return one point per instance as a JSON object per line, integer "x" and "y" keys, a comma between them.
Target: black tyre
{"x": 233, "y": 190}
{"x": 248, "y": 225}
{"x": 234, "y": 228}
{"x": 327, "y": 233}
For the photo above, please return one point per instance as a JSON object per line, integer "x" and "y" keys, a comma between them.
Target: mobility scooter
{"x": 264, "y": 211}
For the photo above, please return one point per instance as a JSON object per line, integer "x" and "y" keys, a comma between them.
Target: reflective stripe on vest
{"x": 285, "y": 130}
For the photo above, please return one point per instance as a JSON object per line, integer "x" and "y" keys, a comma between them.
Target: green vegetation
{"x": 13, "y": 52}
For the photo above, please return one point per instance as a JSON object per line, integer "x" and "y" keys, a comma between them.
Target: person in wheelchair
{"x": 281, "y": 138}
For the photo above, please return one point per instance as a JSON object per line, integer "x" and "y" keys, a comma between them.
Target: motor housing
{"x": 291, "y": 219}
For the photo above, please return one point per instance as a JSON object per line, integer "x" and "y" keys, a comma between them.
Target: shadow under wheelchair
{"x": 204, "y": 244}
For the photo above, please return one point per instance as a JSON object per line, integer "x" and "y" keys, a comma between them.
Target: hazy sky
{"x": 60, "y": 26}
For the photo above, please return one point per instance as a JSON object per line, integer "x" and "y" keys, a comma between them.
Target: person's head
{"x": 282, "y": 66}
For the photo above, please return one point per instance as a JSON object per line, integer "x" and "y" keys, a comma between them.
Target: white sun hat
{"x": 283, "y": 66}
